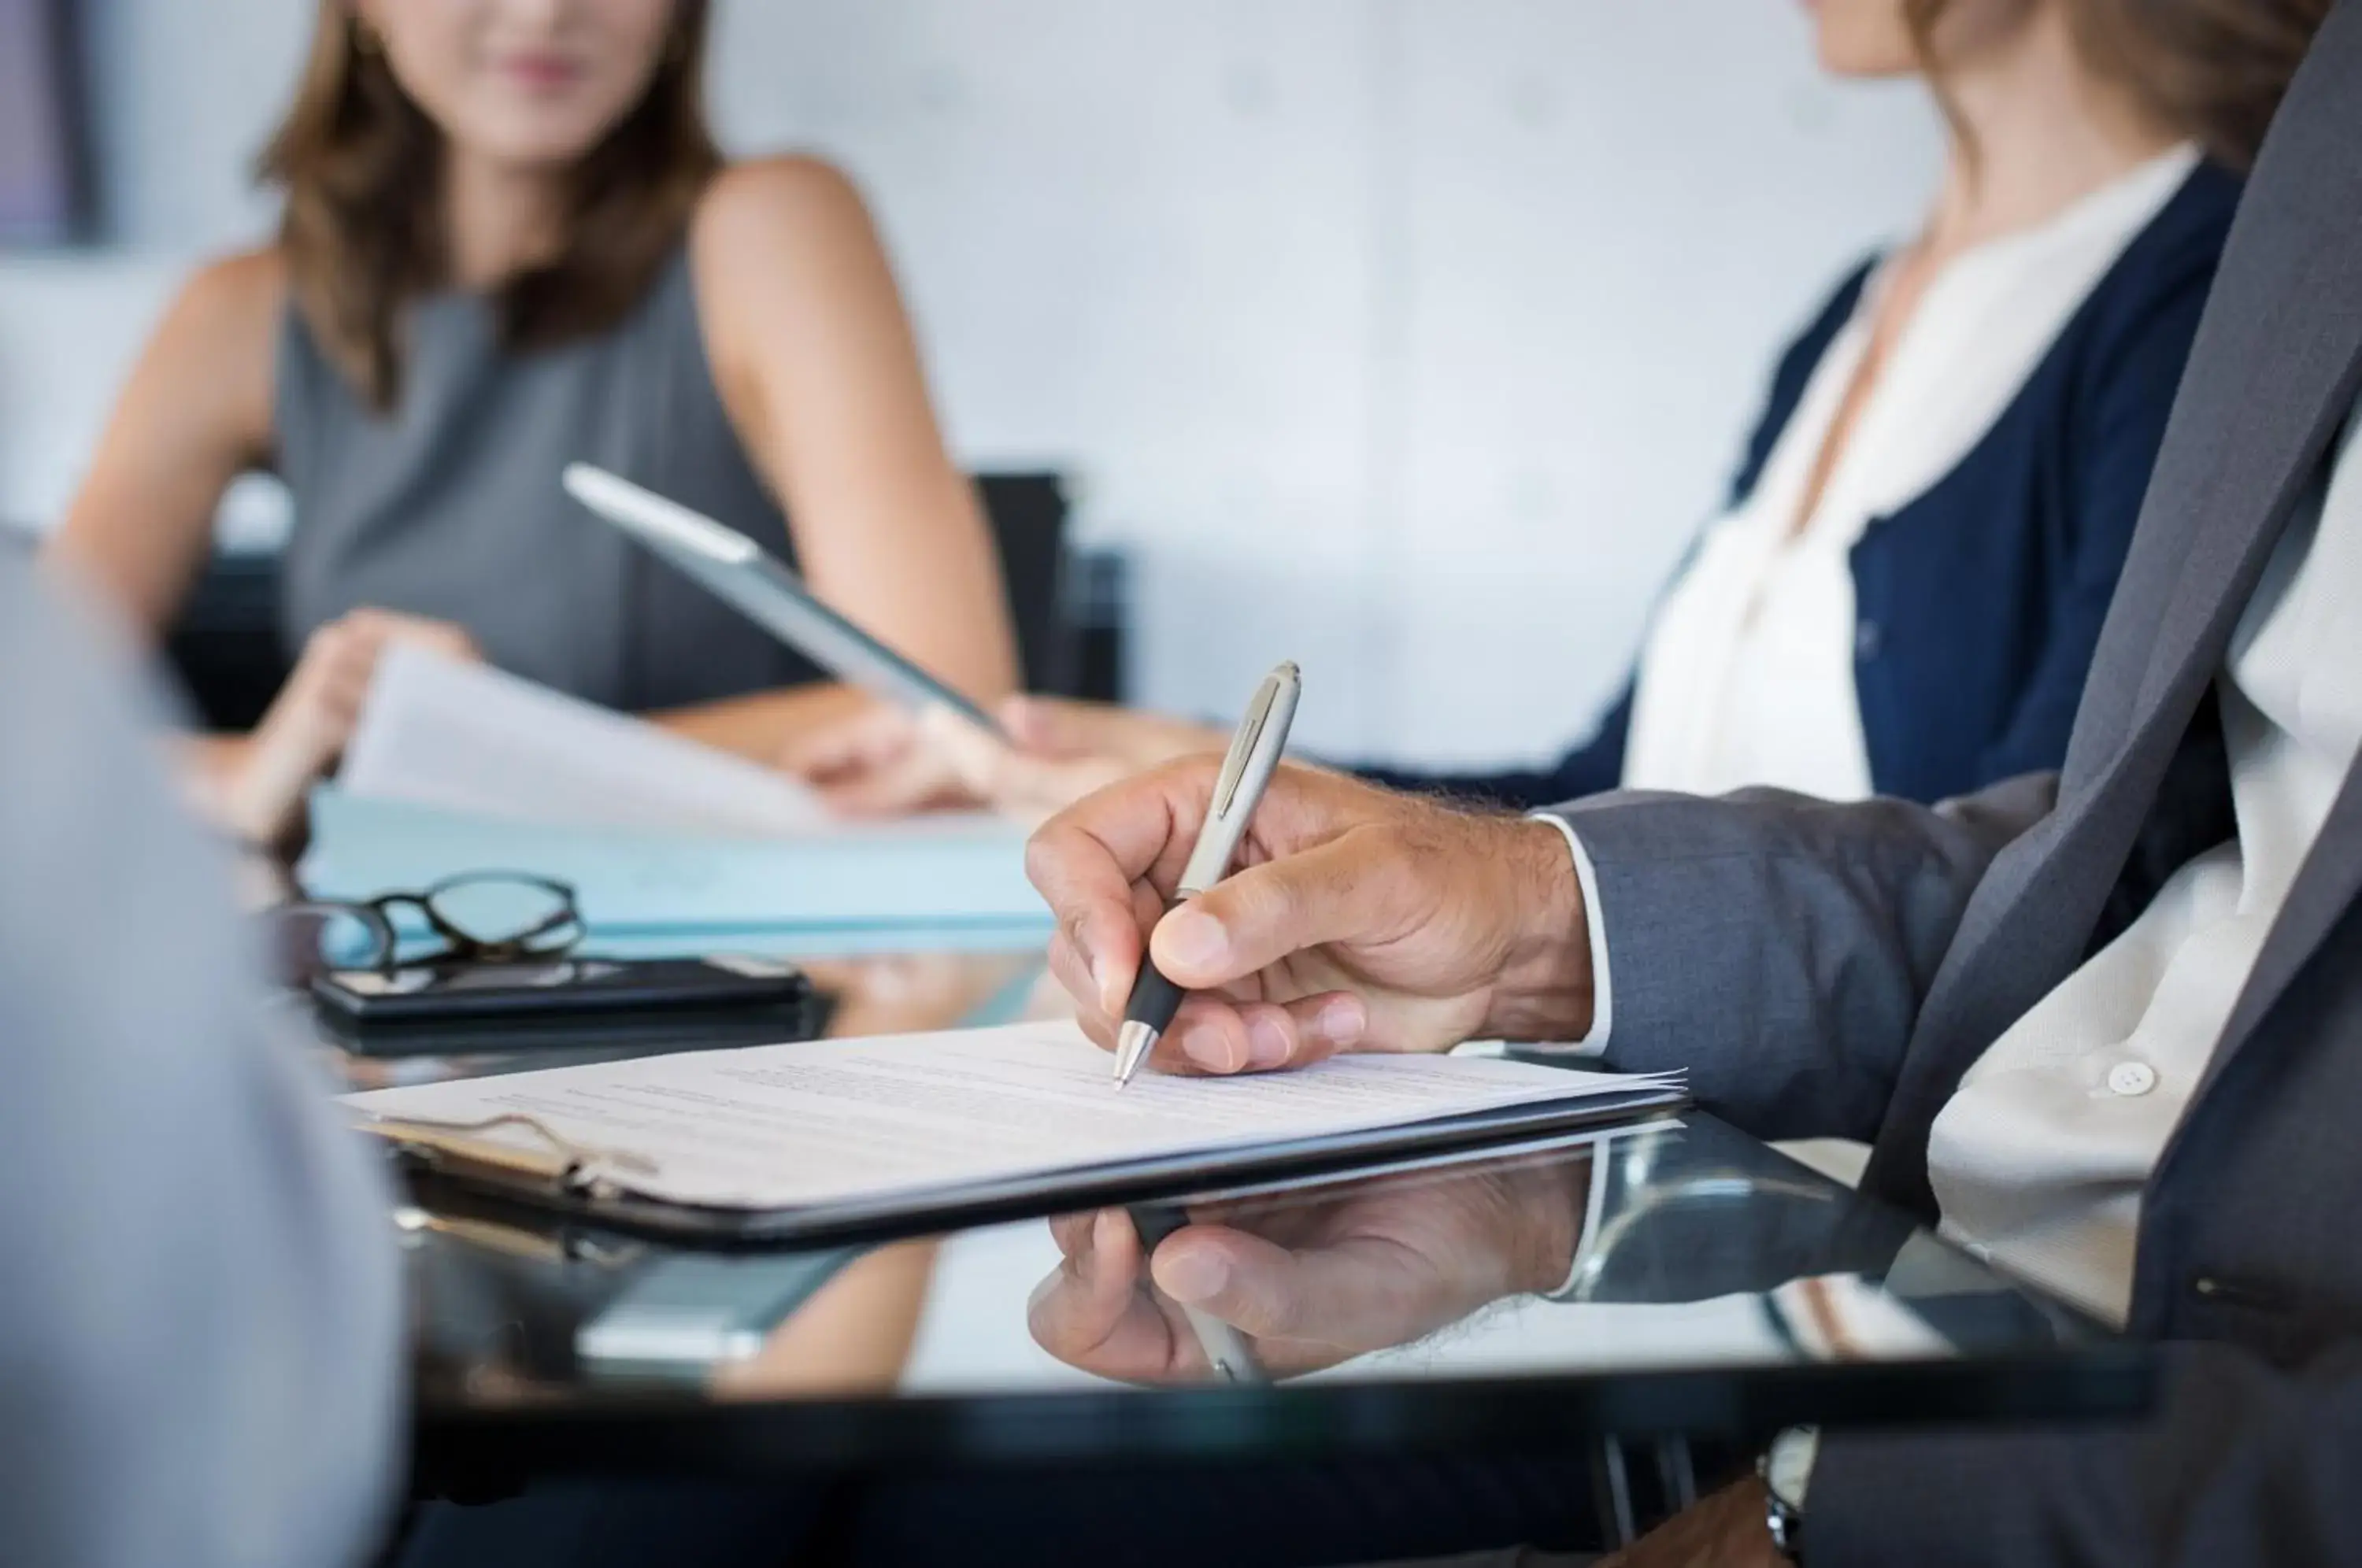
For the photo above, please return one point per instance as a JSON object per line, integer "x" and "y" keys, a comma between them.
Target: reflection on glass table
{"x": 1682, "y": 1279}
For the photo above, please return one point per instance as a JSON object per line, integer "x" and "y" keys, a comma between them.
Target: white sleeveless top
{"x": 1747, "y": 675}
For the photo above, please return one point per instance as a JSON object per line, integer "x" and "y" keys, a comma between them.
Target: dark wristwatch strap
{"x": 1785, "y": 1525}
{"x": 1787, "y": 1471}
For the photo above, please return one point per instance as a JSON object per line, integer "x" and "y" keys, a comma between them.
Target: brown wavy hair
{"x": 2212, "y": 71}
{"x": 362, "y": 228}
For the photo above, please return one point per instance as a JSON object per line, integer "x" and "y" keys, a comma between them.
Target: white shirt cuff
{"x": 1577, "y": 1283}
{"x": 1603, "y": 994}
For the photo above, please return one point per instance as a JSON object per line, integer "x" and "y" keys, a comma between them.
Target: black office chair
{"x": 1068, "y": 613}
{"x": 225, "y": 646}
{"x": 1028, "y": 513}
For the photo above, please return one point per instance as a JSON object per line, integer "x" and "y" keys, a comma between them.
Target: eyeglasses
{"x": 479, "y": 917}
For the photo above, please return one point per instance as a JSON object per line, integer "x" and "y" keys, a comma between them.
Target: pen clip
{"x": 1255, "y": 748}
{"x": 1243, "y": 746}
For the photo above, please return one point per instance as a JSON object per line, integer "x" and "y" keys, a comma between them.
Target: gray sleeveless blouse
{"x": 449, "y": 505}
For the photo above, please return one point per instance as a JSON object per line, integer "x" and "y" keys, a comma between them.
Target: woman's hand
{"x": 1139, "y": 740}
{"x": 315, "y": 714}
{"x": 885, "y": 761}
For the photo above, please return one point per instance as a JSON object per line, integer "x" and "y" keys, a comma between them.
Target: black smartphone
{"x": 571, "y": 1000}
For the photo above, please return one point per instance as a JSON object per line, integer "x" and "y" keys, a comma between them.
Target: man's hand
{"x": 1726, "y": 1531}
{"x": 1312, "y": 1282}
{"x": 1359, "y": 919}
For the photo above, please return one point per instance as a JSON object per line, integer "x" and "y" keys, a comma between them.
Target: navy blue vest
{"x": 1979, "y": 603}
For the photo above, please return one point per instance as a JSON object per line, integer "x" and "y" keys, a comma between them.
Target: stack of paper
{"x": 922, "y": 1123}
{"x": 672, "y": 847}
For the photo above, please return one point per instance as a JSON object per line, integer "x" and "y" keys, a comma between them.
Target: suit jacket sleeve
{"x": 202, "y": 1336}
{"x": 2244, "y": 1464}
{"x": 1778, "y": 948}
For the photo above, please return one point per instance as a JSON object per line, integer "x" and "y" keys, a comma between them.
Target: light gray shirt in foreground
{"x": 199, "y": 1320}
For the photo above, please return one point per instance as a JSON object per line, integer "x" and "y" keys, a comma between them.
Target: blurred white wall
{"x": 1411, "y": 338}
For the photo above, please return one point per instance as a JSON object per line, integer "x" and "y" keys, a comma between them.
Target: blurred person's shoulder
{"x": 779, "y": 207}
{"x": 241, "y": 280}
{"x": 66, "y": 654}
{"x": 236, "y": 297}
{"x": 218, "y": 342}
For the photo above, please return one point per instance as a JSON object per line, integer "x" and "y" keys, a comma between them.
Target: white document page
{"x": 835, "y": 1120}
{"x": 466, "y": 738}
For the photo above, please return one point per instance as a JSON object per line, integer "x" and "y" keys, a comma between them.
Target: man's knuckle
{"x": 1046, "y": 860}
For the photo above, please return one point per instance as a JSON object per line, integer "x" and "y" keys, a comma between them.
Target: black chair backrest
{"x": 225, "y": 646}
{"x": 1028, "y": 513}
{"x": 226, "y": 650}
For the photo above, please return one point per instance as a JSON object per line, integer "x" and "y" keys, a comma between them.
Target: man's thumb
{"x": 1266, "y": 912}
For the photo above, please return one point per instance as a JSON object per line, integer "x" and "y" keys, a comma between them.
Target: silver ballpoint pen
{"x": 1253, "y": 756}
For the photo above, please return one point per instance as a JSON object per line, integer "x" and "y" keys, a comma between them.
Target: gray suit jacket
{"x": 200, "y": 1330}
{"x": 1826, "y": 970}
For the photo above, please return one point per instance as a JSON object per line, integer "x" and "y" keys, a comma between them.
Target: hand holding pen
{"x": 1255, "y": 755}
{"x": 1358, "y": 919}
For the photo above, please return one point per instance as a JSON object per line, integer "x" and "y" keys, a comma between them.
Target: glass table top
{"x": 1678, "y": 1277}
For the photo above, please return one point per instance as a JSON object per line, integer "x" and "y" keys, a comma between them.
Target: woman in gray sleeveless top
{"x": 453, "y": 509}
{"x": 509, "y": 244}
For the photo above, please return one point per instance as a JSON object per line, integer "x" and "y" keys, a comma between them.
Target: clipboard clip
{"x": 459, "y": 1148}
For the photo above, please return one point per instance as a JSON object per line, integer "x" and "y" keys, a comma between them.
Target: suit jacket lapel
{"x": 2282, "y": 426}
{"x": 2271, "y": 378}
{"x": 2031, "y": 923}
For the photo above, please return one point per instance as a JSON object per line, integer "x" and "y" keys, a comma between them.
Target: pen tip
{"x": 1132, "y": 1044}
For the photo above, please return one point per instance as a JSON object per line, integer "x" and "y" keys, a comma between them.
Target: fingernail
{"x": 1208, "y": 1047}
{"x": 1267, "y": 1042}
{"x": 1193, "y": 937}
{"x": 1092, "y": 966}
{"x": 1342, "y": 1022}
{"x": 1194, "y": 1273}
{"x": 1107, "y": 1232}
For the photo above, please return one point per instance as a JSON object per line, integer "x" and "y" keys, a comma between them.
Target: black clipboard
{"x": 562, "y": 1180}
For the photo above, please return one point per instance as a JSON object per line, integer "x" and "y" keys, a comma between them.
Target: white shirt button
{"x": 2131, "y": 1078}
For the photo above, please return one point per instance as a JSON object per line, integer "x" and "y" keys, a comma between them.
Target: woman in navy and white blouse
{"x": 1904, "y": 591}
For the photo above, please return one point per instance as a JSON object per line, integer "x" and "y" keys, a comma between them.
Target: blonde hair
{"x": 2210, "y": 70}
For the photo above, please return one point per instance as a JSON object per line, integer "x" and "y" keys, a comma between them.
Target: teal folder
{"x": 890, "y": 888}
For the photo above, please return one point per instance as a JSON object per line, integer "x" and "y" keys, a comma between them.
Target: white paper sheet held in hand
{"x": 467, "y": 737}
{"x": 847, "y": 1122}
